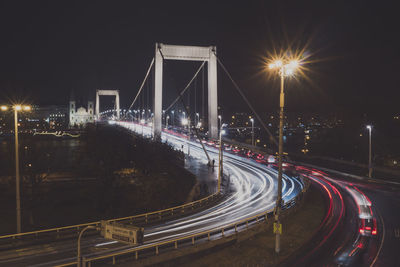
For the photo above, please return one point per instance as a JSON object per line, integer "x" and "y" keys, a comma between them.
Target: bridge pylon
{"x": 187, "y": 53}
{"x": 107, "y": 92}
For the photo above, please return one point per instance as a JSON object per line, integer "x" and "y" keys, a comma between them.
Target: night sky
{"x": 49, "y": 48}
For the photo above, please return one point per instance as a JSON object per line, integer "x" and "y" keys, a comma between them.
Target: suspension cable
{"x": 184, "y": 106}
{"x": 247, "y": 102}
{"x": 202, "y": 103}
{"x": 186, "y": 87}
{"x": 141, "y": 86}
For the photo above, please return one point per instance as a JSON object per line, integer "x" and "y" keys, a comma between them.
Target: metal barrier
{"x": 174, "y": 243}
{"x": 145, "y": 217}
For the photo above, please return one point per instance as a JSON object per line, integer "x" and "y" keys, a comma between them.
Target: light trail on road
{"x": 252, "y": 191}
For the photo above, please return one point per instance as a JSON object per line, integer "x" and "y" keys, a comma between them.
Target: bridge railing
{"x": 140, "y": 218}
{"x": 209, "y": 235}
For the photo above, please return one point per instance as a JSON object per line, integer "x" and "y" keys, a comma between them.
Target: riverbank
{"x": 110, "y": 173}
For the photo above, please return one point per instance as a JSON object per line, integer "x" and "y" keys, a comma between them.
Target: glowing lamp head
{"x": 369, "y": 127}
{"x": 252, "y": 120}
{"x": 18, "y": 107}
{"x": 223, "y": 132}
{"x": 27, "y": 108}
{"x": 278, "y": 63}
{"x": 289, "y": 71}
{"x": 293, "y": 64}
{"x": 4, "y": 108}
{"x": 184, "y": 121}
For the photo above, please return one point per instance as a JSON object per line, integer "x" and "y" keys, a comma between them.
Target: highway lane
{"x": 386, "y": 200}
{"x": 354, "y": 244}
{"x": 253, "y": 190}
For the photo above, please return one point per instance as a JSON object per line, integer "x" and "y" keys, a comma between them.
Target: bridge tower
{"x": 191, "y": 53}
{"x": 107, "y": 92}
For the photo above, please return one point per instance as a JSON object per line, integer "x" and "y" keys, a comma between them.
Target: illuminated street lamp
{"x": 197, "y": 119}
{"x": 173, "y": 117}
{"x": 166, "y": 121}
{"x": 285, "y": 68}
{"x": 220, "y": 158}
{"x": 16, "y": 109}
{"x": 369, "y": 127}
{"x": 252, "y": 131}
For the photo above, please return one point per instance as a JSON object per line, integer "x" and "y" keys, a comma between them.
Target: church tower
{"x": 90, "y": 111}
{"x": 72, "y": 111}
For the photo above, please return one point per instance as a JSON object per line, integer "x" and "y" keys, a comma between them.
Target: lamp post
{"x": 184, "y": 123}
{"x": 369, "y": 127}
{"x": 79, "y": 258}
{"x": 166, "y": 122}
{"x": 220, "y": 121}
{"x": 220, "y": 158}
{"x": 252, "y": 131}
{"x": 197, "y": 119}
{"x": 17, "y": 108}
{"x": 285, "y": 69}
{"x": 173, "y": 118}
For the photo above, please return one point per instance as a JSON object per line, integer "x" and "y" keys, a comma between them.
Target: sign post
{"x": 125, "y": 233}
{"x": 278, "y": 228}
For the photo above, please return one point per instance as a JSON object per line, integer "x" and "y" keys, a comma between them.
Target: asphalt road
{"x": 344, "y": 244}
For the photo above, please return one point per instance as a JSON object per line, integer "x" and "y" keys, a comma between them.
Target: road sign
{"x": 125, "y": 233}
{"x": 277, "y": 228}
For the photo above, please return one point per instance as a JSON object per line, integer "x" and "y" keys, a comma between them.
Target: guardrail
{"x": 145, "y": 217}
{"x": 225, "y": 231}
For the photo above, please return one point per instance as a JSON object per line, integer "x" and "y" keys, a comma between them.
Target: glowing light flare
{"x": 18, "y": 107}
{"x": 184, "y": 121}
{"x": 4, "y": 108}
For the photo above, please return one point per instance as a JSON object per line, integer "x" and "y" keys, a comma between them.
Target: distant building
{"x": 79, "y": 117}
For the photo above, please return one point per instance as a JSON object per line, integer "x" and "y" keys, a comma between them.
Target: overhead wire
{"x": 247, "y": 102}
{"x": 180, "y": 94}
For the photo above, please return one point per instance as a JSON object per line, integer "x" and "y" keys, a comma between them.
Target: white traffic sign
{"x": 125, "y": 233}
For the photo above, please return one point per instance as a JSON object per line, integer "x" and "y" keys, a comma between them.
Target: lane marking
{"x": 383, "y": 239}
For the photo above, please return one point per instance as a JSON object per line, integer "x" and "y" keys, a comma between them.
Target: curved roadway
{"x": 252, "y": 191}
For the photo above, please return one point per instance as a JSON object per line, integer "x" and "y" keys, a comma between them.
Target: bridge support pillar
{"x": 212, "y": 95}
{"x": 157, "y": 93}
